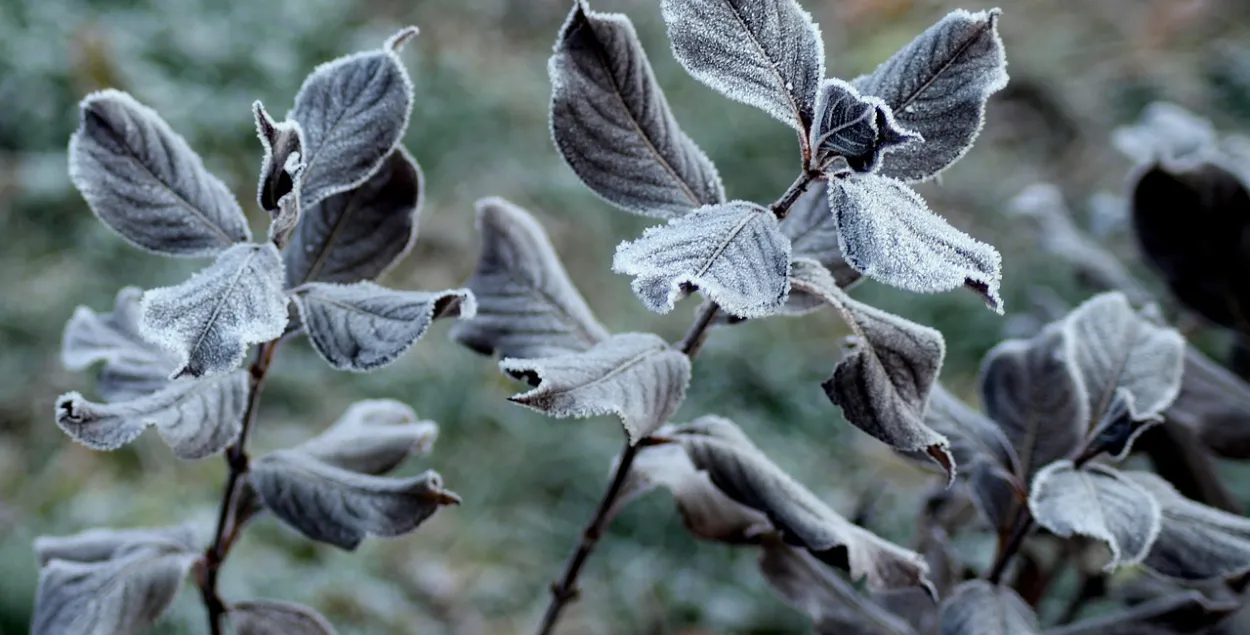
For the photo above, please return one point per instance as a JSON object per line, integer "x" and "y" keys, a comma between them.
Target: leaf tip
{"x": 401, "y": 37}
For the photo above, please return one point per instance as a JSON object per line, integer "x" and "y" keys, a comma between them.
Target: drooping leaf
{"x": 1164, "y": 131}
{"x": 734, "y": 253}
{"x": 339, "y": 507}
{"x": 883, "y": 384}
{"x": 358, "y": 234}
{"x": 1215, "y": 404}
{"x": 886, "y": 232}
{"x": 1097, "y": 502}
{"x": 1195, "y": 542}
{"x": 937, "y": 86}
{"x": 857, "y": 128}
{"x": 123, "y": 595}
{"x": 980, "y": 608}
{"x": 194, "y": 417}
{"x": 145, "y": 183}
{"x": 764, "y": 53}
{"x": 364, "y": 326}
{"x": 1031, "y": 389}
{"x": 133, "y": 366}
{"x": 527, "y": 306}
{"x": 1202, "y": 253}
{"x": 1120, "y": 353}
{"x": 352, "y": 112}
{"x": 1180, "y": 612}
{"x": 285, "y": 220}
{"x": 283, "y": 159}
{"x": 813, "y": 588}
{"x": 913, "y": 605}
{"x": 101, "y": 544}
{"x": 813, "y": 233}
{"x": 613, "y": 126}
{"x": 210, "y": 320}
{"x": 636, "y": 376}
{"x": 747, "y": 476}
{"x": 272, "y": 617}
{"x": 373, "y": 437}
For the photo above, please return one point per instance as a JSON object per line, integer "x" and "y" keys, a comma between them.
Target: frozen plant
{"x": 343, "y": 198}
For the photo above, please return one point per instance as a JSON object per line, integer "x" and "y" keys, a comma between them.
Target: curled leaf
{"x": 210, "y": 320}
{"x": 133, "y": 366}
{"x": 938, "y": 86}
{"x": 887, "y": 232}
{"x": 271, "y": 617}
{"x": 373, "y": 437}
{"x": 100, "y": 544}
{"x": 526, "y": 305}
{"x": 980, "y": 608}
{"x": 733, "y": 253}
{"x": 636, "y": 376}
{"x": 859, "y": 129}
{"x": 1100, "y": 503}
{"x": 1195, "y": 542}
{"x": 332, "y": 505}
{"x": 364, "y": 326}
{"x": 283, "y": 160}
{"x": 352, "y": 112}
{"x": 195, "y": 418}
{"x": 360, "y": 233}
{"x": 613, "y": 126}
{"x": 145, "y": 183}
{"x": 764, "y": 53}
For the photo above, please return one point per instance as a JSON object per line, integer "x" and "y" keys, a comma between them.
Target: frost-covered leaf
{"x": 1097, "y": 502}
{"x": 734, "y": 253}
{"x": 1120, "y": 426}
{"x": 210, "y": 320}
{"x": 283, "y": 159}
{"x": 1195, "y": 542}
{"x": 612, "y": 124}
{"x": 285, "y": 220}
{"x": 813, "y": 233}
{"x": 886, "y": 232}
{"x": 1116, "y": 350}
{"x": 1201, "y": 254}
{"x": 144, "y": 181}
{"x": 352, "y": 112}
{"x": 195, "y": 417}
{"x": 272, "y": 617}
{"x": 332, "y": 505}
{"x": 636, "y": 376}
{"x": 857, "y": 128}
{"x": 527, "y": 306}
{"x": 813, "y": 588}
{"x": 373, "y": 437}
{"x": 1032, "y": 390}
{"x": 133, "y": 366}
{"x": 764, "y": 53}
{"x": 1164, "y": 131}
{"x": 937, "y": 86}
{"x": 985, "y": 456}
{"x": 364, "y": 326}
{"x": 1215, "y": 404}
{"x": 1180, "y": 612}
{"x": 123, "y": 595}
{"x": 883, "y": 383}
{"x": 361, "y": 233}
{"x": 980, "y": 608}
{"x": 100, "y": 544}
{"x": 744, "y": 474}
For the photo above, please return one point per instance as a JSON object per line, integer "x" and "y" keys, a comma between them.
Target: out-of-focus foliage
{"x": 479, "y": 128}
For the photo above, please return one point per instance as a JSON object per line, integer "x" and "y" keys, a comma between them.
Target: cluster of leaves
{"x": 343, "y": 198}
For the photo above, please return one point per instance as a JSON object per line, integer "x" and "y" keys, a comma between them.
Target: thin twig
{"x": 1024, "y": 522}
{"x": 237, "y": 462}
{"x": 565, "y": 590}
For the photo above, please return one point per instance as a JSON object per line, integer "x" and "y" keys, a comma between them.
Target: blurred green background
{"x": 479, "y": 128}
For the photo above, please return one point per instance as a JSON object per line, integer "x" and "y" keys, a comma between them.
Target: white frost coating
{"x": 764, "y": 53}
{"x": 611, "y": 123}
{"x": 271, "y": 617}
{"x": 636, "y": 376}
{"x": 282, "y": 162}
{"x": 373, "y": 437}
{"x": 857, "y": 128}
{"x": 937, "y": 86}
{"x": 978, "y": 607}
{"x": 1098, "y": 502}
{"x": 124, "y": 594}
{"x": 734, "y": 253}
{"x": 100, "y": 543}
{"x": 1164, "y": 131}
{"x": 1195, "y": 542}
{"x": 886, "y": 232}
{"x": 195, "y": 418}
{"x": 133, "y": 366}
{"x": 365, "y": 326}
{"x": 210, "y": 320}
{"x": 145, "y": 183}
{"x": 527, "y": 306}
{"x": 352, "y": 111}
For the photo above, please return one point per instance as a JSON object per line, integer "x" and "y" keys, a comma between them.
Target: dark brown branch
{"x": 1024, "y": 522}
{"x": 792, "y": 194}
{"x": 237, "y": 462}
